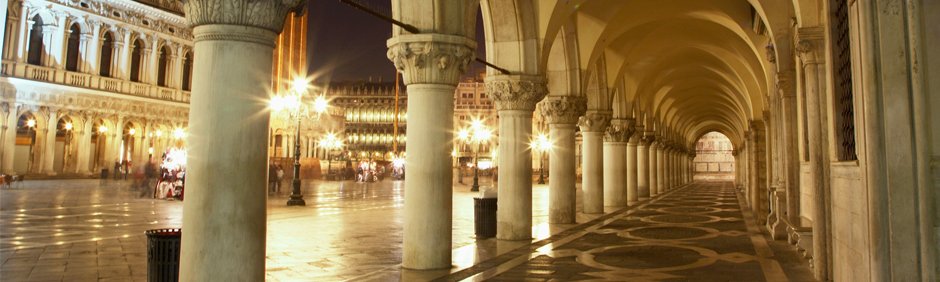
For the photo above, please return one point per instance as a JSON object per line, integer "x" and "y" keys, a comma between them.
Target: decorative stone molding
{"x": 648, "y": 138}
{"x": 516, "y": 92}
{"x": 431, "y": 58}
{"x": 268, "y": 14}
{"x": 563, "y": 109}
{"x": 809, "y": 43}
{"x": 785, "y": 84}
{"x": 620, "y": 130}
{"x": 594, "y": 121}
{"x": 771, "y": 53}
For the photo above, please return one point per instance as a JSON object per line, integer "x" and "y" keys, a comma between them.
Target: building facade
{"x": 86, "y": 84}
{"x": 370, "y": 118}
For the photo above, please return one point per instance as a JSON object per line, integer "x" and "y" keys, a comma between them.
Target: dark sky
{"x": 345, "y": 44}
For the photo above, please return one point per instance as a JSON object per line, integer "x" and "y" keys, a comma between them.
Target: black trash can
{"x": 484, "y": 217}
{"x": 163, "y": 255}
{"x": 104, "y": 174}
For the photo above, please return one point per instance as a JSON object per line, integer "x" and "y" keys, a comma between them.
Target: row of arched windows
{"x": 107, "y": 55}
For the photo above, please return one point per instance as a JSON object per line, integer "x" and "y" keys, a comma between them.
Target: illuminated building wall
{"x": 369, "y": 117}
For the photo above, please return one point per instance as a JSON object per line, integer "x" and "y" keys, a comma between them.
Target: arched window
{"x": 34, "y": 55}
{"x": 72, "y": 52}
{"x": 164, "y": 64}
{"x": 187, "y": 71}
{"x": 136, "y": 55}
{"x": 107, "y": 49}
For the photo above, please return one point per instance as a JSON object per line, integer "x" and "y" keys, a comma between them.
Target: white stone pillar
{"x": 9, "y": 137}
{"x": 615, "y": 162}
{"x": 25, "y": 26}
{"x": 561, "y": 113}
{"x": 224, "y": 216}
{"x": 48, "y": 153}
{"x": 428, "y": 206}
{"x": 515, "y": 97}
{"x": 814, "y": 81}
{"x": 633, "y": 194}
{"x": 660, "y": 168}
{"x": 59, "y": 39}
{"x": 642, "y": 165}
{"x": 3, "y": 21}
{"x": 654, "y": 185}
{"x": 83, "y": 150}
{"x": 592, "y": 126}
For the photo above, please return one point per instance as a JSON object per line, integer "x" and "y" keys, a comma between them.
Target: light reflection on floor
{"x": 91, "y": 229}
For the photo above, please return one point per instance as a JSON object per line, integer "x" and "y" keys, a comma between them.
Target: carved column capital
{"x": 516, "y": 92}
{"x": 619, "y": 130}
{"x": 648, "y": 138}
{"x": 809, "y": 44}
{"x": 785, "y": 84}
{"x": 267, "y": 15}
{"x": 594, "y": 121}
{"x": 563, "y": 109}
{"x": 430, "y": 58}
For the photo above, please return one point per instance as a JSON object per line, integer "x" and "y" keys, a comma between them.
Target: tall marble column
{"x": 814, "y": 81}
{"x": 561, "y": 113}
{"x": 9, "y": 137}
{"x": 515, "y": 97}
{"x": 224, "y": 216}
{"x": 615, "y": 162}
{"x": 48, "y": 152}
{"x": 593, "y": 124}
{"x": 428, "y": 204}
{"x": 654, "y": 185}
{"x": 643, "y": 165}
{"x": 633, "y": 193}
{"x": 83, "y": 151}
{"x": 661, "y": 168}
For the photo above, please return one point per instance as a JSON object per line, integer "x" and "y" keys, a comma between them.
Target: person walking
{"x": 280, "y": 178}
{"x": 272, "y": 178}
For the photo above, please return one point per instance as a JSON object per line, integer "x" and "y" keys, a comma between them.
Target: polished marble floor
{"x": 92, "y": 230}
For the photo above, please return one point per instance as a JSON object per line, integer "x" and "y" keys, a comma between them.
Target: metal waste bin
{"x": 163, "y": 255}
{"x": 484, "y": 217}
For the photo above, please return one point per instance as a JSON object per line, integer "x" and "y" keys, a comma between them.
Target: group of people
{"x": 369, "y": 172}
{"x": 165, "y": 181}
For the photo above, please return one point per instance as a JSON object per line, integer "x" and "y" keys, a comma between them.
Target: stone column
{"x": 224, "y": 217}
{"x": 561, "y": 113}
{"x": 615, "y": 163}
{"x": 632, "y": 191}
{"x": 592, "y": 126}
{"x": 667, "y": 167}
{"x": 9, "y": 137}
{"x": 48, "y": 153}
{"x": 814, "y": 79}
{"x": 84, "y": 147}
{"x": 431, "y": 84}
{"x": 643, "y": 167}
{"x": 515, "y": 97}
{"x": 654, "y": 185}
{"x": 661, "y": 168}
{"x": 25, "y": 26}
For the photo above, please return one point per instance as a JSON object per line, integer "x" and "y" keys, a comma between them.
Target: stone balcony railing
{"x": 95, "y": 82}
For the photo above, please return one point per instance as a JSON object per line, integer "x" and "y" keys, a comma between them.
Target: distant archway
{"x": 713, "y": 159}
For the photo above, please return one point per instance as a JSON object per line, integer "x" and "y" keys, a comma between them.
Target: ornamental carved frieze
{"x": 594, "y": 121}
{"x": 516, "y": 92}
{"x": 620, "y": 130}
{"x": 268, "y": 14}
{"x": 430, "y": 58}
{"x": 563, "y": 109}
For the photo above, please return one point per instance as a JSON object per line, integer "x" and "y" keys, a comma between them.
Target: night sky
{"x": 346, "y": 44}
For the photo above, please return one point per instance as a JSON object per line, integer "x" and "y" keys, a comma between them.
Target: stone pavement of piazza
{"x": 93, "y": 230}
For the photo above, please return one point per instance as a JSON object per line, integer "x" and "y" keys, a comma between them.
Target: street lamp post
{"x": 475, "y": 135}
{"x": 330, "y": 142}
{"x": 292, "y": 103}
{"x": 542, "y": 144}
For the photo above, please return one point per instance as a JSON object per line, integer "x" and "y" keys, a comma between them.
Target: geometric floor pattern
{"x": 698, "y": 233}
